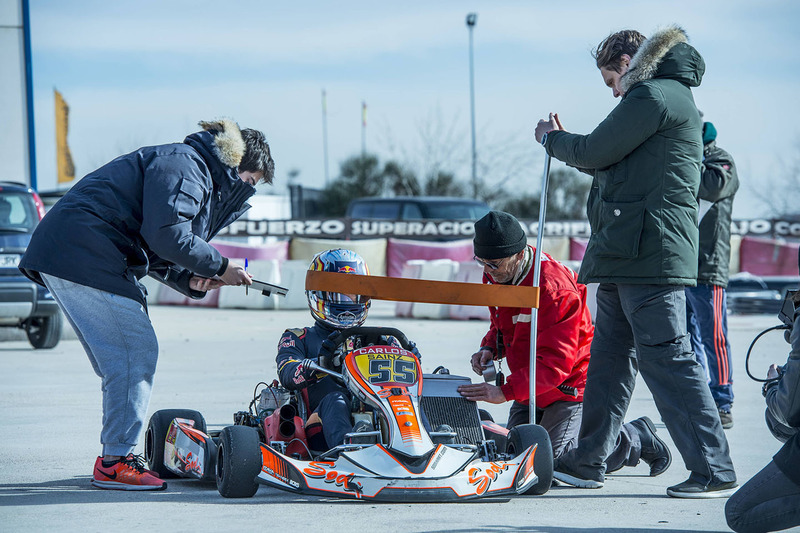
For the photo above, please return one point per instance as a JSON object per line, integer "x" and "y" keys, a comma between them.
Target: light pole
{"x": 325, "y": 133}
{"x": 472, "y": 18}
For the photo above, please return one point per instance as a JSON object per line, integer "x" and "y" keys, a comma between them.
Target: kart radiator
{"x": 442, "y": 404}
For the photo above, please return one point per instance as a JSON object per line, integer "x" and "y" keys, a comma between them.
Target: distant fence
{"x": 438, "y": 230}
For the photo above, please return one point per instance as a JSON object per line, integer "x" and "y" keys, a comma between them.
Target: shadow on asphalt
{"x": 554, "y": 529}
{"x": 79, "y": 490}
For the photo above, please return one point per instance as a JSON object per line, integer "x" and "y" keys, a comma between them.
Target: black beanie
{"x": 498, "y": 235}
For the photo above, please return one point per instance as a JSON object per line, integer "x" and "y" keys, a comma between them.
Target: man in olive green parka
{"x": 645, "y": 159}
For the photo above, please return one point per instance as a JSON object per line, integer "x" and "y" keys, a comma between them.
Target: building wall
{"x": 13, "y": 116}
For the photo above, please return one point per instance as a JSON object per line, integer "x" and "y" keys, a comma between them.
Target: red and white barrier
{"x": 372, "y": 250}
{"x": 236, "y": 297}
{"x": 411, "y": 270}
{"x": 400, "y": 251}
{"x": 469, "y": 272}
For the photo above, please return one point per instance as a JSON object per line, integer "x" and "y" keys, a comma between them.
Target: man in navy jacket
{"x": 153, "y": 212}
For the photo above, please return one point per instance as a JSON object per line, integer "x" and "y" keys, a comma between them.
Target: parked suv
{"x": 23, "y": 304}
{"x": 417, "y": 208}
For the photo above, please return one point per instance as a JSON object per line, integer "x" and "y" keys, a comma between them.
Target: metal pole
{"x": 472, "y": 19}
{"x": 363, "y": 130}
{"x": 26, "y": 36}
{"x": 537, "y": 265}
{"x": 325, "y": 134}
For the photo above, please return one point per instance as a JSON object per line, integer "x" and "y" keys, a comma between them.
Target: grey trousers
{"x": 119, "y": 340}
{"x": 642, "y": 328}
{"x": 562, "y": 421}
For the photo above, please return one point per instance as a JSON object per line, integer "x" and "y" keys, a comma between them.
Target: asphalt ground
{"x": 211, "y": 360}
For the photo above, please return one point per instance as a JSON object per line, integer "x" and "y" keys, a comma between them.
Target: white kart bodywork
{"x": 410, "y": 467}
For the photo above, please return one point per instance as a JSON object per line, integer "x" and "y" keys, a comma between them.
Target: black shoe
{"x": 362, "y": 426}
{"x": 655, "y": 452}
{"x": 726, "y": 418}
{"x": 693, "y": 489}
{"x": 564, "y": 475}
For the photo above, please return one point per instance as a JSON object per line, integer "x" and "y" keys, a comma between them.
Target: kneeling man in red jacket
{"x": 564, "y": 334}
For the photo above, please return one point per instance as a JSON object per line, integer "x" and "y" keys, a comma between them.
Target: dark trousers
{"x": 334, "y": 411}
{"x": 562, "y": 421}
{"x": 642, "y": 328}
{"x": 770, "y": 501}
{"x": 707, "y": 310}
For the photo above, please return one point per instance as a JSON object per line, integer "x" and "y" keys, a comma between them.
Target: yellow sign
{"x": 66, "y": 168}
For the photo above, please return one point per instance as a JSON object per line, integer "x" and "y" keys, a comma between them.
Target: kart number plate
{"x": 9, "y": 260}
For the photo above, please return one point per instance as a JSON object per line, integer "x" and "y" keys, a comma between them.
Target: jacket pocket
{"x": 620, "y": 228}
{"x": 187, "y": 202}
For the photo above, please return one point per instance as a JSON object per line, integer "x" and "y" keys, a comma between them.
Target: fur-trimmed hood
{"x": 229, "y": 145}
{"x": 667, "y": 54}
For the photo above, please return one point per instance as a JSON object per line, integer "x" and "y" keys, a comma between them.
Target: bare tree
{"x": 566, "y": 199}
{"x": 778, "y": 197}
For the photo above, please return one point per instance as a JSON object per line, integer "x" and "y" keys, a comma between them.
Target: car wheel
{"x": 524, "y": 435}
{"x": 238, "y": 461}
{"x": 44, "y": 332}
{"x": 156, "y": 435}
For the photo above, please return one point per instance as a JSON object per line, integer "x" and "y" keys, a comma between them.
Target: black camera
{"x": 788, "y": 312}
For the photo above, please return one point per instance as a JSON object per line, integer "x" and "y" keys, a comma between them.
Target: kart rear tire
{"x": 238, "y": 462}
{"x": 44, "y": 332}
{"x": 524, "y": 435}
{"x": 156, "y": 434}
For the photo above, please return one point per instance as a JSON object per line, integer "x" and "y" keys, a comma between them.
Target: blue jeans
{"x": 707, "y": 305}
{"x": 642, "y": 328}
{"x": 118, "y": 337}
{"x": 770, "y": 501}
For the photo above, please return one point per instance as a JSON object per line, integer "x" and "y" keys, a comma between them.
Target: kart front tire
{"x": 156, "y": 435}
{"x": 524, "y": 435}
{"x": 238, "y": 462}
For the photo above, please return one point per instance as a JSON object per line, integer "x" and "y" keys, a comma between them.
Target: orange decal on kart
{"x": 323, "y": 470}
{"x": 273, "y": 465}
{"x": 482, "y": 477}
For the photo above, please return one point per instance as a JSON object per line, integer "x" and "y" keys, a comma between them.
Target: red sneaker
{"x": 128, "y": 474}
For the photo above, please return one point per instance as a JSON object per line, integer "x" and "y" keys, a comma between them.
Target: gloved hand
{"x": 413, "y": 346}
{"x": 327, "y": 350}
{"x": 308, "y": 373}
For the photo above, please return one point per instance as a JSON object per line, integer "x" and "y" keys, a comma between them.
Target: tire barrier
{"x": 285, "y": 263}
{"x": 400, "y": 251}
{"x": 469, "y": 272}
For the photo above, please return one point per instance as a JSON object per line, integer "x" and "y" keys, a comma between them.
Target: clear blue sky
{"x": 145, "y": 72}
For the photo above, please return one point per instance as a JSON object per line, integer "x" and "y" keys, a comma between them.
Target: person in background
{"x": 153, "y": 212}
{"x": 706, "y": 304}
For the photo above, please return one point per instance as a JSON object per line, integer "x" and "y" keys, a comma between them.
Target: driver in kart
{"x": 564, "y": 334}
{"x": 327, "y": 400}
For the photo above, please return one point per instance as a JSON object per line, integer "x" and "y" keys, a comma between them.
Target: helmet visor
{"x": 339, "y": 298}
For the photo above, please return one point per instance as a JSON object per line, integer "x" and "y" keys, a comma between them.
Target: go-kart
{"x": 401, "y": 460}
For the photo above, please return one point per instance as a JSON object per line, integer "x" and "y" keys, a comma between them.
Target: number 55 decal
{"x": 400, "y": 371}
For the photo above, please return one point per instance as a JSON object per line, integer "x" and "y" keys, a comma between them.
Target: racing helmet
{"x": 332, "y": 308}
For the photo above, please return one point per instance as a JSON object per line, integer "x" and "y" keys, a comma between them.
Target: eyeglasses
{"x": 490, "y": 265}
